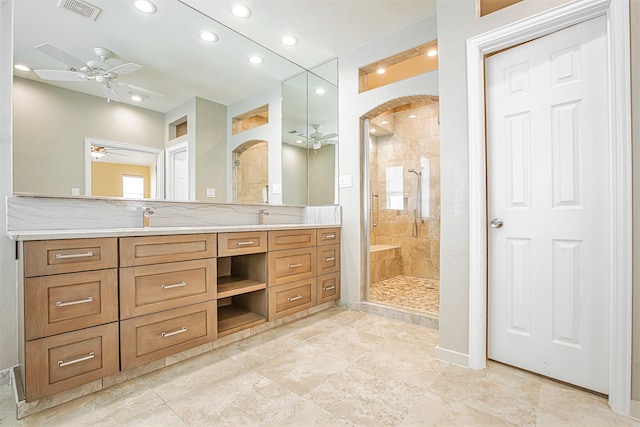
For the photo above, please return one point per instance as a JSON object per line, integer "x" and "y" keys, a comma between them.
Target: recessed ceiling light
{"x": 412, "y": 116}
{"x": 256, "y": 59}
{"x": 381, "y": 71}
{"x": 21, "y": 67}
{"x": 208, "y": 36}
{"x": 299, "y": 141}
{"x": 384, "y": 122}
{"x": 320, "y": 90}
{"x": 145, "y": 6}
{"x": 432, "y": 52}
{"x": 136, "y": 97}
{"x": 240, "y": 11}
{"x": 289, "y": 40}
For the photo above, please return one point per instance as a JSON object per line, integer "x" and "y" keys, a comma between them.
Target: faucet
{"x": 146, "y": 216}
{"x": 262, "y": 213}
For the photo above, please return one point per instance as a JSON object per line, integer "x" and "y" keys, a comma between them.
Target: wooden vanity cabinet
{"x": 70, "y": 325}
{"x": 328, "y": 283}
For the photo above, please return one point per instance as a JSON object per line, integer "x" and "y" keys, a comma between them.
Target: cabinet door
{"x": 65, "y": 361}
{"x": 290, "y": 265}
{"x": 328, "y": 288}
{"x": 291, "y": 297}
{"x": 67, "y": 256}
{"x": 148, "y": 338}
{"x": 158, "y": 249}
{"x": 66, "y": 302}
{"x": 151, "y": 288}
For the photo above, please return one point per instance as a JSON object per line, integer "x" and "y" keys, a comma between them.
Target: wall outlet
{"x": 345, "y": 181}
{"x": 211, "y": 192}
{"x": 75, "y": 191}
{"x": 277, "y": 188}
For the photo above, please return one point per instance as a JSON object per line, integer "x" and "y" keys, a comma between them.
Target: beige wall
{"x": 322, "y": 172}
{"x": 50, "y": 125}
{"x": 106, "y": 178}
{"x": 212, "y": 160}
{"x": 294, "y": 175}
{"x": 410, "y": 140}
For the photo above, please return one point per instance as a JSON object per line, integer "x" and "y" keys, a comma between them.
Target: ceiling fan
{"x": 98, "y": 152}
{"x": 317, "y": 137}
{"x": 97, "y": 70}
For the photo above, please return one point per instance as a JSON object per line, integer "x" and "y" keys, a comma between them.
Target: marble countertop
{"x": 153, "y": 231}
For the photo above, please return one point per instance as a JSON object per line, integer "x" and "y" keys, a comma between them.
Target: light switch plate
{"x": 211, "y": 192}
{"x": 277, "y": 188}
{"x": 75, "y": 191}
{"x": 345, "y": 181}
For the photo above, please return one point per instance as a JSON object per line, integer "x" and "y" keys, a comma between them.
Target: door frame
{"x": 618, "y": 61}
{"x": 170, "y": 183}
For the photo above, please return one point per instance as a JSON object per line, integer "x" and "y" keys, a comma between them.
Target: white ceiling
{"x": 178, "y": 65}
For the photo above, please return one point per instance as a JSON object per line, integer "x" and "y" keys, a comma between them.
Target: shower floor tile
{"x": 413, "y": 293}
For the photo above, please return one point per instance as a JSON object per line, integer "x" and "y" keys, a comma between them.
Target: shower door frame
{"x": 365, "y": 219}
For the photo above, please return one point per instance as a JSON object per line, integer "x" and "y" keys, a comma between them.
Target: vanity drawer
{"x": 61, "y": 362}
{"x": 66, "y": 302}
{"x": 230, "y": 244}
{"x": 328, "y": 259}
{"x": 289, "y": 239}
{"x": 291, "y": 297}
{"x": 148, "y": 338}
{"x": 158, "y": 249}
{"x": 328, "y": 288}
{"x": 67, "y": 256}
{"x": 293, "y": 264}
{"x": 151, "y": 288}
{"x": 328, "y": 236}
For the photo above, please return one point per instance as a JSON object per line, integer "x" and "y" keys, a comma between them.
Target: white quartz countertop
{"x": 153, "y": 231}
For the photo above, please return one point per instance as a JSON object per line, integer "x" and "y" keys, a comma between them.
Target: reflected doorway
{"x": 250, "y": 174}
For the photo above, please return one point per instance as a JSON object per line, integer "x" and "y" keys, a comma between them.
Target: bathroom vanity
{"x": 92, "y": 307}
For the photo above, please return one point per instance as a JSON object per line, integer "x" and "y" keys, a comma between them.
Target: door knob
{"x": 496, "y": 223}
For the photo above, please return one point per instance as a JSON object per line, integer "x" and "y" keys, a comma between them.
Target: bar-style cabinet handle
{"x": 249, "y": 242}
{"x": 179, "y": 331}
{"x": 329, "y": 236}
{"x": 81, "y": 301}
{"x": 67, "y": 256}
{"x": 294, "y": 265}
{"x": 330, "y": 258}
{"x": 294, "y": 298}
{"x": 80, "y": 359}
{"x": 329, "y": 288}
{"x": 175, "y": 285}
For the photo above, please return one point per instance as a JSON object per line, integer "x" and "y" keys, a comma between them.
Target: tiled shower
{"x": 404, "y": 217}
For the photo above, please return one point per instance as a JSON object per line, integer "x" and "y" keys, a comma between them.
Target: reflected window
{"x": 395, "y": 189}
{"x": 132, "y": 187}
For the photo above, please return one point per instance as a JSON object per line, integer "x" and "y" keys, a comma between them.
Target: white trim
{"x": 159, "y": 153}
{"x": 453, "y": 357}
{"x": 617, "y": 13}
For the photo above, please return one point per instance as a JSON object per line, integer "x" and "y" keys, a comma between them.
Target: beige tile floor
{"x": 335, "y": 368}
{"x": 413, "y": 293}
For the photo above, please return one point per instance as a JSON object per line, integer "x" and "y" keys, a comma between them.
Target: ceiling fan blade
{"x": 61, "y": 56}
{"x": 329, "y": 136}
{"x": 62, "y": 75}
{"x": 109, "y": 93}
{"x": 125, "y": 68}
{"x": 138, "y": 88}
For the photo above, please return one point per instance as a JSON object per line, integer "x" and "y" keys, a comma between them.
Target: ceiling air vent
{"x": 83, "y": 8}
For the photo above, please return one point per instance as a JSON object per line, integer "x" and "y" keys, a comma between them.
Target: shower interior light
{"x": 240, "y": 11}
{"x": 432, "y": 52}
{"x": 381, "y": 71}
{"x": 373, "y": 130}
{"x": 412, "y": 116}
{"x": 384, "y": 122}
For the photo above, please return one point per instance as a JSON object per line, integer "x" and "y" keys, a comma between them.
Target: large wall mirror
{"x": 117, "y": 87}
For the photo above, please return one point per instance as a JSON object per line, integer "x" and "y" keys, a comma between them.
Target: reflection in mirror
{"x": 182, "y": 111}
{"x": 251, "y": 173}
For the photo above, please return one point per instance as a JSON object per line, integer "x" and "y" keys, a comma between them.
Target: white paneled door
{"x": 548, "y": 197}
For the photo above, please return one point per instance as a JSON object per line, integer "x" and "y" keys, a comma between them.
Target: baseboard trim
{"x": 453, "y": 357}
{"x": 635, "y": 409}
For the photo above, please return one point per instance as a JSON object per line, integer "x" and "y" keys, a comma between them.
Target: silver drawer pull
{"x": 294, "y": 298}
{"x": 245, "y": 243}
{"x": 179, "y": 331}
{"x": 89, "y": 356}
{"x": 84, "y": 255}
{"x": 294, "y": 265}
{"x": 175, "y": 285}
{"x": 329, "y": 236}
{"x": 80, "y": 301}
{"x": 329, "y": 288}
{"x": 330, "y": 259}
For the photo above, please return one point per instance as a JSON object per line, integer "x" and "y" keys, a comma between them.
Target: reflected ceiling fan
{"x": 97, "y": 70}
{"x": 98, "y": 152}
{"x": 318, "y": 138}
